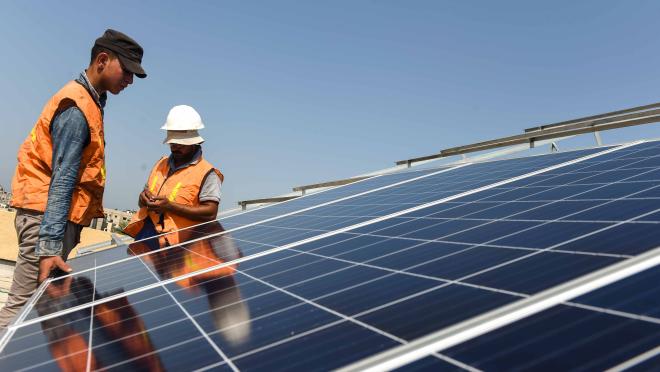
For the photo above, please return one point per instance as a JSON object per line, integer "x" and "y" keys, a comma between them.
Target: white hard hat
{"x": 183, "y": 117}
{"x": 183, "y": 137}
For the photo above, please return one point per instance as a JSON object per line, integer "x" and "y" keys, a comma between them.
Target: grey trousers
{"x": 26, "y": 272}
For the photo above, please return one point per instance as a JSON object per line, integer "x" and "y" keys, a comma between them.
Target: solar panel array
{"x": 617, "y": 326}
{"x": 369, "y": 269}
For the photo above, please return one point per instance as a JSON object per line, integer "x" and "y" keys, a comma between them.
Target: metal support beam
{"x": 571, "y": 128}
{"x": 408, "y": 162}
{"x": 244, "y": 203}
{"x": 556, "y": 132}
{"x": 595, "y": 117}
{"x": 554, "y": 147}
{"x": 344, "y": 181}
{"x": 599, "y": 140}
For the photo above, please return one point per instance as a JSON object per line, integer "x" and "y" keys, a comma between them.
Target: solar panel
{"x": 622, "y": 319}
{"x": 332, "y": 283}
{"x": 350, "y": 190}
{"x": 127, "y": 274}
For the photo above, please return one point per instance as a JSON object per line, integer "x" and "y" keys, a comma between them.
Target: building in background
{"x": 113, "y": 221}
{"x": 5, "y": 197}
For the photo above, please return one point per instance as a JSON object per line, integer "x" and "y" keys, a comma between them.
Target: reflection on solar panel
{"x": 372, "y": 274}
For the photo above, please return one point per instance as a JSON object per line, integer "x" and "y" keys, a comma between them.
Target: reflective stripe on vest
{"x": 175, "y": 191}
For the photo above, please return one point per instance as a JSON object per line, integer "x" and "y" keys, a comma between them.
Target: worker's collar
{"x": 195, "y": 159}
{"x": 98, "y": 98}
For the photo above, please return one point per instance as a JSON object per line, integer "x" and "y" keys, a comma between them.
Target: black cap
{"x": 128, "y": 50}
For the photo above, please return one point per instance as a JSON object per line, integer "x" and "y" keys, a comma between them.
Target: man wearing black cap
{"x": 60, "y": 176}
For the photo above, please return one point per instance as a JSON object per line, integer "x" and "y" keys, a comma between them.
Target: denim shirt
{"x": 69, "y": 135}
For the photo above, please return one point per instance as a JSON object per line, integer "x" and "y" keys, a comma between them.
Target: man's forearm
{"x": 69, "y": 133}
{"x": 56, "y": 215}
{"x": 204, "y": 212}
{"x": 141, "y": 202}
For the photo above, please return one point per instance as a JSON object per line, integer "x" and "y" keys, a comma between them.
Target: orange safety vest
{"x": 121, "y": 322}
{"x": 33, "y": 172}
{"x": 70, "y": 351}
{"x": 195, "y": 256}
{"x": 200, "y": 255}
{"x": 182, "y": 187}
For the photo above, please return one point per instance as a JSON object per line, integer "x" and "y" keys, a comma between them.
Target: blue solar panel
{"x": 351, "y": 293}
{"x": 326, "y": 196}
{"x": 279, "y": 209}
{"x": 390, "y": 192}
{"x": 308, "y": 224}
{"x": 603, "y": 329}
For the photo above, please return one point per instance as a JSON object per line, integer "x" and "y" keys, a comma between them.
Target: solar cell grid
{"x": 621, "y": 318}
{"x": 278, "y": 209}
{"x": 262, "y": 235}
{"x": 412, "y": 317}
{"x": 383, "y": 284}
{"x": 326, "y": 196}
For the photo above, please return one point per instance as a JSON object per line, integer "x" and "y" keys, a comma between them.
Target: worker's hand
{"x": 50, "y": 263}
{"x": 148, "y": 194}
{"x": 158, "y": 204}
{"x": 145, "y": 197}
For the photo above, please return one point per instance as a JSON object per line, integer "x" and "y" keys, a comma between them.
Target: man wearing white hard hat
{"x": 183, "y": 188}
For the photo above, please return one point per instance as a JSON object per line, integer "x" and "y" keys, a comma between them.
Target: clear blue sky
{"x": 296, "y": 92}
